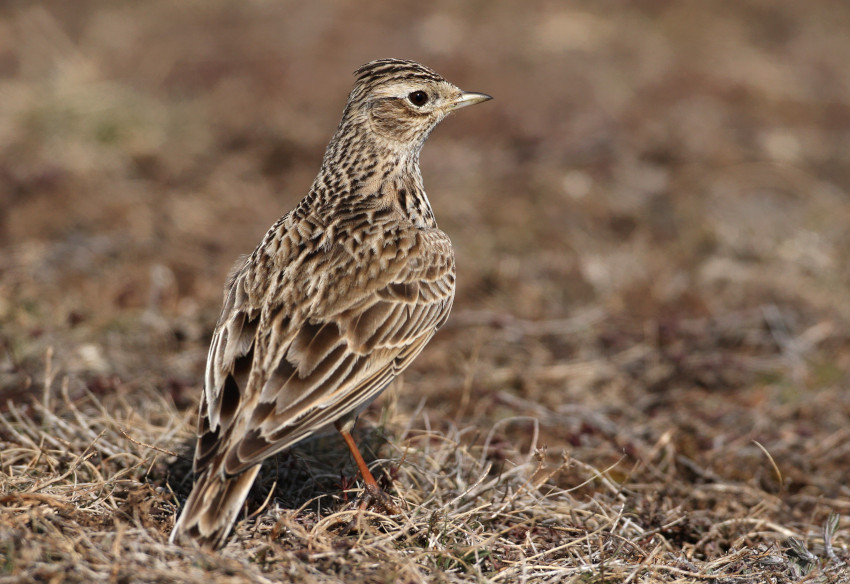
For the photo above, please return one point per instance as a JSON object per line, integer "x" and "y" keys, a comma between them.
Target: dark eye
{"x": 418, "y": 98}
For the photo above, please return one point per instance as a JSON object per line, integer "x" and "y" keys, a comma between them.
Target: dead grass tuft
{"x": 88, "y": 495}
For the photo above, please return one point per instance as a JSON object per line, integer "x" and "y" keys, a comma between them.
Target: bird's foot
{"x": 376, "y": 498}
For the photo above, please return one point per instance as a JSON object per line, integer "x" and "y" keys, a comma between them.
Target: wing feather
{"x": 311, "y": 349}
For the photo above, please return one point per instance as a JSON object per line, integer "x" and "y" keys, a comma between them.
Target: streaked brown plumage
{"x": 339, "y": 297}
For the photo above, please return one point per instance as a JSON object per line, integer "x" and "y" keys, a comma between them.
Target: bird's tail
{"x": 212, "y": 507}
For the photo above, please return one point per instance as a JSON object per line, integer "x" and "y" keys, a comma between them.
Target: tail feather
{"x": 212, "y": 507}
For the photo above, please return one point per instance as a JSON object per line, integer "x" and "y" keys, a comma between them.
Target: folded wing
{"x": 328, "y": 344}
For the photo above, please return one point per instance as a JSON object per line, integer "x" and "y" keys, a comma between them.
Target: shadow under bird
{"x": 340, "y": 296}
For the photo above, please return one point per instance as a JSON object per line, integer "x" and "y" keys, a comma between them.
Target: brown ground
{"x": 645, "y": 378}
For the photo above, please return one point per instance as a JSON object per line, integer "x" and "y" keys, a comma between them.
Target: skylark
{"x": 340, "y": 296}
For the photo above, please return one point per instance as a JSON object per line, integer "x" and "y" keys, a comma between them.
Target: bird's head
{"x": 402, "y": 101}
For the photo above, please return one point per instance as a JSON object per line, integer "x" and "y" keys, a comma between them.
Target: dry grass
{"x": 88, "y": 497}
{"x": 644, "y": 379}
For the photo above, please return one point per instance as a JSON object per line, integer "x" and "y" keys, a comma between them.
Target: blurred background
{"x": 650, "y": 219}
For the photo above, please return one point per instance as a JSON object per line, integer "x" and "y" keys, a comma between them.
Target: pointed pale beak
{"x": 469, "y": 98}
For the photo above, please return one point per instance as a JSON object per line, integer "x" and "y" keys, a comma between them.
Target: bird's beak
{"x": 469, "y": 98}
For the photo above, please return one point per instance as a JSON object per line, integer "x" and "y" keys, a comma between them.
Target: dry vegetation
{"x": 645, "y": 378}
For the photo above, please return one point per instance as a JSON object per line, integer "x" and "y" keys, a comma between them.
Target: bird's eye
{"x": 418, "y": 98}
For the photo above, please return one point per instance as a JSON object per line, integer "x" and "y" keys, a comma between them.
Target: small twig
{"x": 644, "y": 563}
{"x": 265, "y": 503}
{"x": 48, "y": 377}
{"x": 82, "y": 457}
{"x": 152, "y": 447}
{"x": 602, "y": 475}
{"x": 772, "y": 462}
{"x": 35, "y": 497}
{"x": 829, "y": 529}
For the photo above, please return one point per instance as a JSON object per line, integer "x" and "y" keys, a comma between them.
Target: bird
{"x": 339, "y": 297}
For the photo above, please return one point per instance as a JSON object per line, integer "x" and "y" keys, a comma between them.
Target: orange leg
{"x": 358, "y": 458}
{"x": 373, "y": 493}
